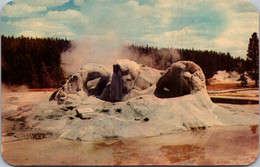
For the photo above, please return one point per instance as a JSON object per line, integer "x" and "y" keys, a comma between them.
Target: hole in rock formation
{"x": 182, "y": 78}
{"x": 129, "y": 80}
{"x": 96, "y": 84}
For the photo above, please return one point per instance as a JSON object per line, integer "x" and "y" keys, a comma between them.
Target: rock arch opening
{"x": 182, "y": 78}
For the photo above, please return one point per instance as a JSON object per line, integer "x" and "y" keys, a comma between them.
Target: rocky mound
{"x": 128, "y": 80}
{"x": 134, "y": 101}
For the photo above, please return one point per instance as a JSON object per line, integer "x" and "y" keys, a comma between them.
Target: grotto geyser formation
{"x": 136, "y": 100}
{"x": 129, "y": 80}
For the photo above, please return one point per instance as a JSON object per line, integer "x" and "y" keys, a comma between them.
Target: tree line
{"x": 34, "y": 62}
{"x": 209, "y": 61}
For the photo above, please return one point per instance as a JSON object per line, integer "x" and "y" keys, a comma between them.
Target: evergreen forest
{"x": 36, "y": 62}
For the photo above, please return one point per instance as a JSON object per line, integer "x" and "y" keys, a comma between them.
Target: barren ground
{"x": 233, "y": 145}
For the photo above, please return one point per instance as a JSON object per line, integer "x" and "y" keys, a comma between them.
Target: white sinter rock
{"x": 91, "y": 79}
{"x": 131, "y": 80}
{"x": 125, "y": 73}
{"x": 147, "y": 104}
{"x": 128, "y": 80}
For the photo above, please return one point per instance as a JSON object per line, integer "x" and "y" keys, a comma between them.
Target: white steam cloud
{"x": 159, "y": 59}
{"x": 106, "y": 49}
{"x": 101, "y": 50}
{"x": 11, "y": 88}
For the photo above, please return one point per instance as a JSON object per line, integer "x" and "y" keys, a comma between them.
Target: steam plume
{"x": 105, "y": 50}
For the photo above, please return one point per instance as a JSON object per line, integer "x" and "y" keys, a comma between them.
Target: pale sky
{"x": 220, "y": 25}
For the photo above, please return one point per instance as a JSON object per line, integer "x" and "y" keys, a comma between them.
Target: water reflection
{"x": 214, "y": 146}
{"x": 222, "y": 145}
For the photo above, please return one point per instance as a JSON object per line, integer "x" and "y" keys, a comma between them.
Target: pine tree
{"x": 243, "y": 80}
{"x": 253, "y": 58}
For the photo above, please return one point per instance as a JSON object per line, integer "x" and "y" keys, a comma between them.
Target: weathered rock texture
{"x": 140, "y": 110}
{"x": 182, "y": 78}
{"x": 124, "y": 76}
{"x": 130, "y": 80}
{"x": 91, "y": 79}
